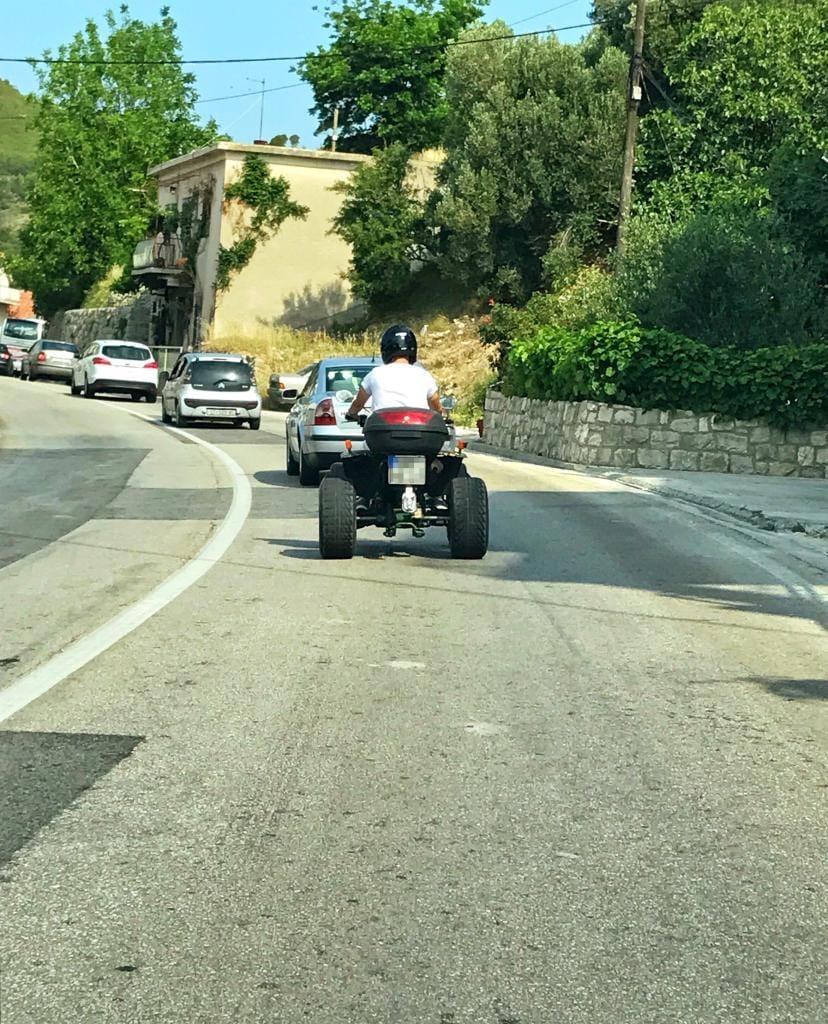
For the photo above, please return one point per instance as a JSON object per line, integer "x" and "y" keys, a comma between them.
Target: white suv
{"x": 116, "y": 367}
{"x": 211, "y": 386}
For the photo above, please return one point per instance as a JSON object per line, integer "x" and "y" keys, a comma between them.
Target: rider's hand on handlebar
{"x": 352, "y": 417}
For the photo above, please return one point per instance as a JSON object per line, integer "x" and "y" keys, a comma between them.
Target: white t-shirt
{"x": 400, "y": 386}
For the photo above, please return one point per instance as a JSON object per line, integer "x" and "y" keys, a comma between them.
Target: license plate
{"x": 406, "y": 470}
{"x": 223, "y": 412}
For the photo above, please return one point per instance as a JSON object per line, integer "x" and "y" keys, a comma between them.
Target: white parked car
{"x": 116, "y": 367}
{"x": 285, "y": 388}
{"x": 211, "y": 387}
{"x": 19, "y": 334}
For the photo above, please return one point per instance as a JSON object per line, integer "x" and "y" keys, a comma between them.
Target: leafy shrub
{"x": 625, "y": 363}
{"x": 725, "y": 273}
{"x": 585, "y": 297}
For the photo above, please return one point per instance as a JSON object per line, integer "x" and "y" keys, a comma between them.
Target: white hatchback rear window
{"x": 132, "y": 352}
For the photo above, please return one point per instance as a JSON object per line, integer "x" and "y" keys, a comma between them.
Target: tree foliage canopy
{"x": 534, "y": 141}
{"x": 383, "y": 222}
{"x": 100, "y": 128}
{"x": 384, "y": 70}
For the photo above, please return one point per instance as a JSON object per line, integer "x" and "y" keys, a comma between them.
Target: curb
{"x": 752, "y": 517}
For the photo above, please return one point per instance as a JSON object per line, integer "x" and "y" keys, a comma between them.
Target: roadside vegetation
{"x": 17, "y": 162}
{"x": 723, "y": 282}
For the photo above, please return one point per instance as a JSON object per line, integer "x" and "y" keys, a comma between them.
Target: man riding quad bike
{"x": 404, "y": 480}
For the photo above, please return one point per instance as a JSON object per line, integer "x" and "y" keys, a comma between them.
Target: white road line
{"x": 40, "y": 680}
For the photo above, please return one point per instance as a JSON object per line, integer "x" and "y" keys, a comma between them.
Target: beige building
{"x": 295, "y": 278}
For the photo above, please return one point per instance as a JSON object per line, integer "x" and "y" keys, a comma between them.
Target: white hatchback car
{"x": 116, "y": 367}
{"x": 211, "y": 387}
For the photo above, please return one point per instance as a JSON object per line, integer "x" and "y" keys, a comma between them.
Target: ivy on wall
{"x": 194, "y": 223}
{"x": 269, "y": 204}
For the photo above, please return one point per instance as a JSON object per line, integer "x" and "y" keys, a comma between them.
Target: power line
{"x": 540, "y": 14}
{"x": 658, "y": 125}
{"x": 177, "y": 62}
{"x": 258, "y": 92}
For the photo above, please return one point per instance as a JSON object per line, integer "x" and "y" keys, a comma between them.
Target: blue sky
{"x": 241, "y": 28}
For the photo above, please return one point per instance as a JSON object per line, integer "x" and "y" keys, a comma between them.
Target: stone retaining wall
{"x": 590, "y": 433}
{"x": 130, "y": 320}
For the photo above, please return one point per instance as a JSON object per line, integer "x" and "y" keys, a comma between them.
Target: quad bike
{"x": 405, "y": 480}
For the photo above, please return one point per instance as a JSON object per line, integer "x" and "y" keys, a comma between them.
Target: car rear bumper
{"x": 332, "y": 445}
{"x": 143, "y": 387}
{"x": 201, "y": 412}
{"x": 47, "y": 370}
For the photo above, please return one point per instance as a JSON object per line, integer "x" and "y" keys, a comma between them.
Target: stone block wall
{"x": 591, "y": 433}
{"x": 130, "y": 320}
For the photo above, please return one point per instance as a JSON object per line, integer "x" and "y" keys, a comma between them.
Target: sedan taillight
{"x": 151, "y": 365}
{"x": 41, "y": 357}
{"x": 101, "y": 361}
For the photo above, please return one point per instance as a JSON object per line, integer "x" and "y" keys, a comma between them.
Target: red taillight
{"x": 101, "y": 361}
{"x": 151, "y": 365}
{"x": 398, "y": 417}
{"x": 41, "y": 357}
{"x": 325, "y": 416}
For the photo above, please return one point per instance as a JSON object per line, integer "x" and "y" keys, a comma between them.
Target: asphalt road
{"x": 580, "y": 782}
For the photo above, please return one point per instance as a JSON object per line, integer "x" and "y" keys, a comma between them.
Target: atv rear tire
{"x": 468, "y": 530}
{"x": 337, "y": 518}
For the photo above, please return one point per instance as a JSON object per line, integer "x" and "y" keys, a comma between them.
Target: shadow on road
{"x": 42, "y": 773}
{"x": 794, "y": 689}
{"x": 616, "y": 539}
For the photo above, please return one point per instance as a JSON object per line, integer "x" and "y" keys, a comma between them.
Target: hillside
{"x": 17, "y": 155}
{"x": 451, "y": 349}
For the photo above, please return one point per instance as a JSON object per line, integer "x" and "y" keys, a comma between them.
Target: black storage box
{"x": 405, "y": 432}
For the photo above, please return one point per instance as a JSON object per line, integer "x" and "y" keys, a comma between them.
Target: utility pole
{"x": 633, "y": 100}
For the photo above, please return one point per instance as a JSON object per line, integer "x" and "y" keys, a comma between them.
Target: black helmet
{"x": 397, "y": 341}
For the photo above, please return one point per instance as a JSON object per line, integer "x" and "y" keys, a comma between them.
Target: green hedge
{"x": 627, "y": 364}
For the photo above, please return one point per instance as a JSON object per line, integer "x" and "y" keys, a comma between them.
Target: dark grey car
{"x": 47, "y": 358}
{"x": 6, "y": 361}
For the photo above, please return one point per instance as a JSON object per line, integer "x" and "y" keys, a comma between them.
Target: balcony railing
{"x": 164, "y": 254}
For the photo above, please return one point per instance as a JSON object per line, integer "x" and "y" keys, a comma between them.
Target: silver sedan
{"x": 316, "y": 429}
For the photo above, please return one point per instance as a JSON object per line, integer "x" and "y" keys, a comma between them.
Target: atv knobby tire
{"x": 337, "y": 518}
{"x": 468, "y": 530}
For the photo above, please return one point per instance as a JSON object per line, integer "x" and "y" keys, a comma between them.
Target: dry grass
{"x": 451, "y": 350}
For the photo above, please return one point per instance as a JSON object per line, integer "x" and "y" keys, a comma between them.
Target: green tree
{"x": 748, "y": 78}
{"x": 726, "y": 274}
{"x": 100, "y": 127}
{"x": 728, "y": 243}
{"x": 534, "y": 140}
{"x": 382, "y": 221}
{"x": 384, "y": 70}
{"x": 668, "y": 22}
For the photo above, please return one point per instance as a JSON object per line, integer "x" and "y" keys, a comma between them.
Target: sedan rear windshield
{"x": 221, "y": 374}
{"x": 59, "y": 346}
{"x": 23, "y": 330}
{"x": 133, "y": 352}
{"x": 345, "y": 378}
